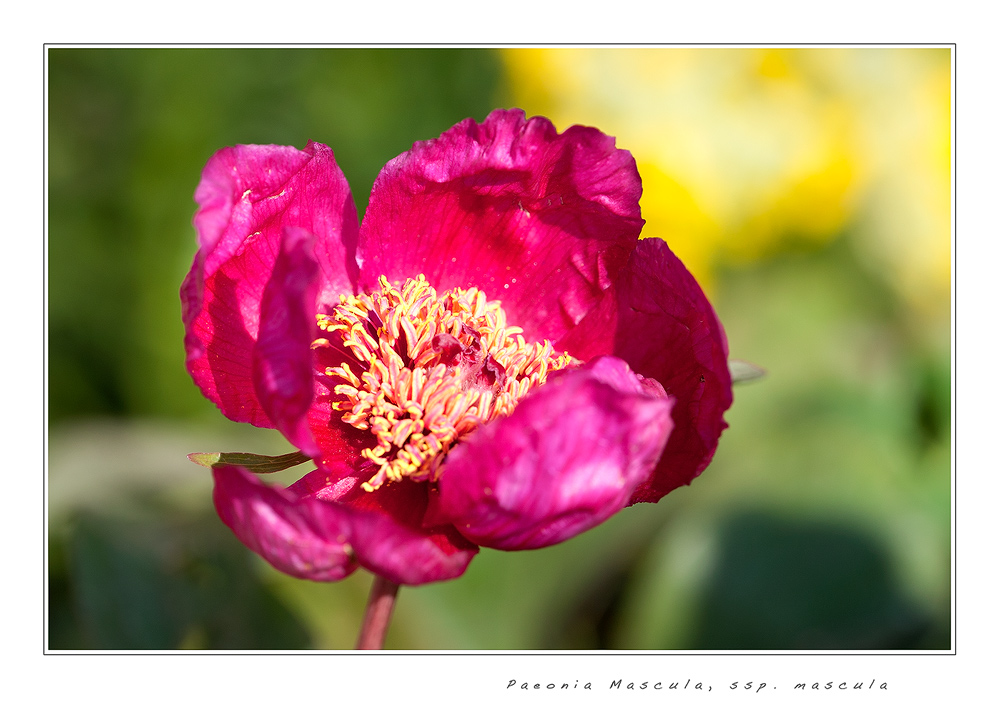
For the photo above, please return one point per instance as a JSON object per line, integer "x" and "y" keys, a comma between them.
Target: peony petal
{"x": 282, "y": 357}
{"x": 542, "y": 221}
{"x": 665, "y": 328}
{"x": 391, "y": 541}
{"x": 569, "y": 456}
{"x": 302, "y": 537}
{"x": 387, "y": 529}
{"x": 247, "y": 196}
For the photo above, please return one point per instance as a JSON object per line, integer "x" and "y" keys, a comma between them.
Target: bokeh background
{"x": 809, "y": 191}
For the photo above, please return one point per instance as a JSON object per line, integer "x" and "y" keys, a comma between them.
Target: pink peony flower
{"x": 492, "y": 359}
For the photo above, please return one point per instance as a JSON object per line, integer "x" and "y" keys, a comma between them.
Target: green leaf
{"x": 742, "y": 371}
{"x": 250, "y": 461}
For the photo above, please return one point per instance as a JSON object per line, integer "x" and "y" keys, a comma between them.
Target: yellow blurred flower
{"x": 747, "y": 152}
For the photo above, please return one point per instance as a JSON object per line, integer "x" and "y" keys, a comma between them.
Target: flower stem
{"x": 378, "y": 613}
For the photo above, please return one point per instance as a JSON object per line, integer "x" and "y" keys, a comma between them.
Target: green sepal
{"x": 250, "y": 461}
{"x": 743, "y": 372}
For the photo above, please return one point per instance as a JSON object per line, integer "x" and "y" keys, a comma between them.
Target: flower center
{"x": 433, "y": 368}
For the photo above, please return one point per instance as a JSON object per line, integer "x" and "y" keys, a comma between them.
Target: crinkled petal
{"x": 542, "y": 221}
{"x": 391, "y": 540}
{"x": 569, "y": 456}
{"x": 300, "y": 536}
{"x": 282, "y": 357}
{"x": 388, "y": 532}
{"x": 247, "y": 196}
{"x": 659, "y": 321}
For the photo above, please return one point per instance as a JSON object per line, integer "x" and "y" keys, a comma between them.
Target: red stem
{"x": 378, "y": 613}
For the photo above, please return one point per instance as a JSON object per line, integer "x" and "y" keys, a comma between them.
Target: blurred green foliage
{"x": 158, "y": 579}
{"x": 824, "y": 521}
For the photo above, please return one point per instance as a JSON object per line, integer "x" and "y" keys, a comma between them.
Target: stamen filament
{"x": 416, "y": 396}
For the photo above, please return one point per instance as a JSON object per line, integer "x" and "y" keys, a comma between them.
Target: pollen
{"x": 427, "y": 370}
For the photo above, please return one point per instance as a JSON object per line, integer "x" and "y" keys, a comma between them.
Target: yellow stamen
{"x": 417, "y": 395}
